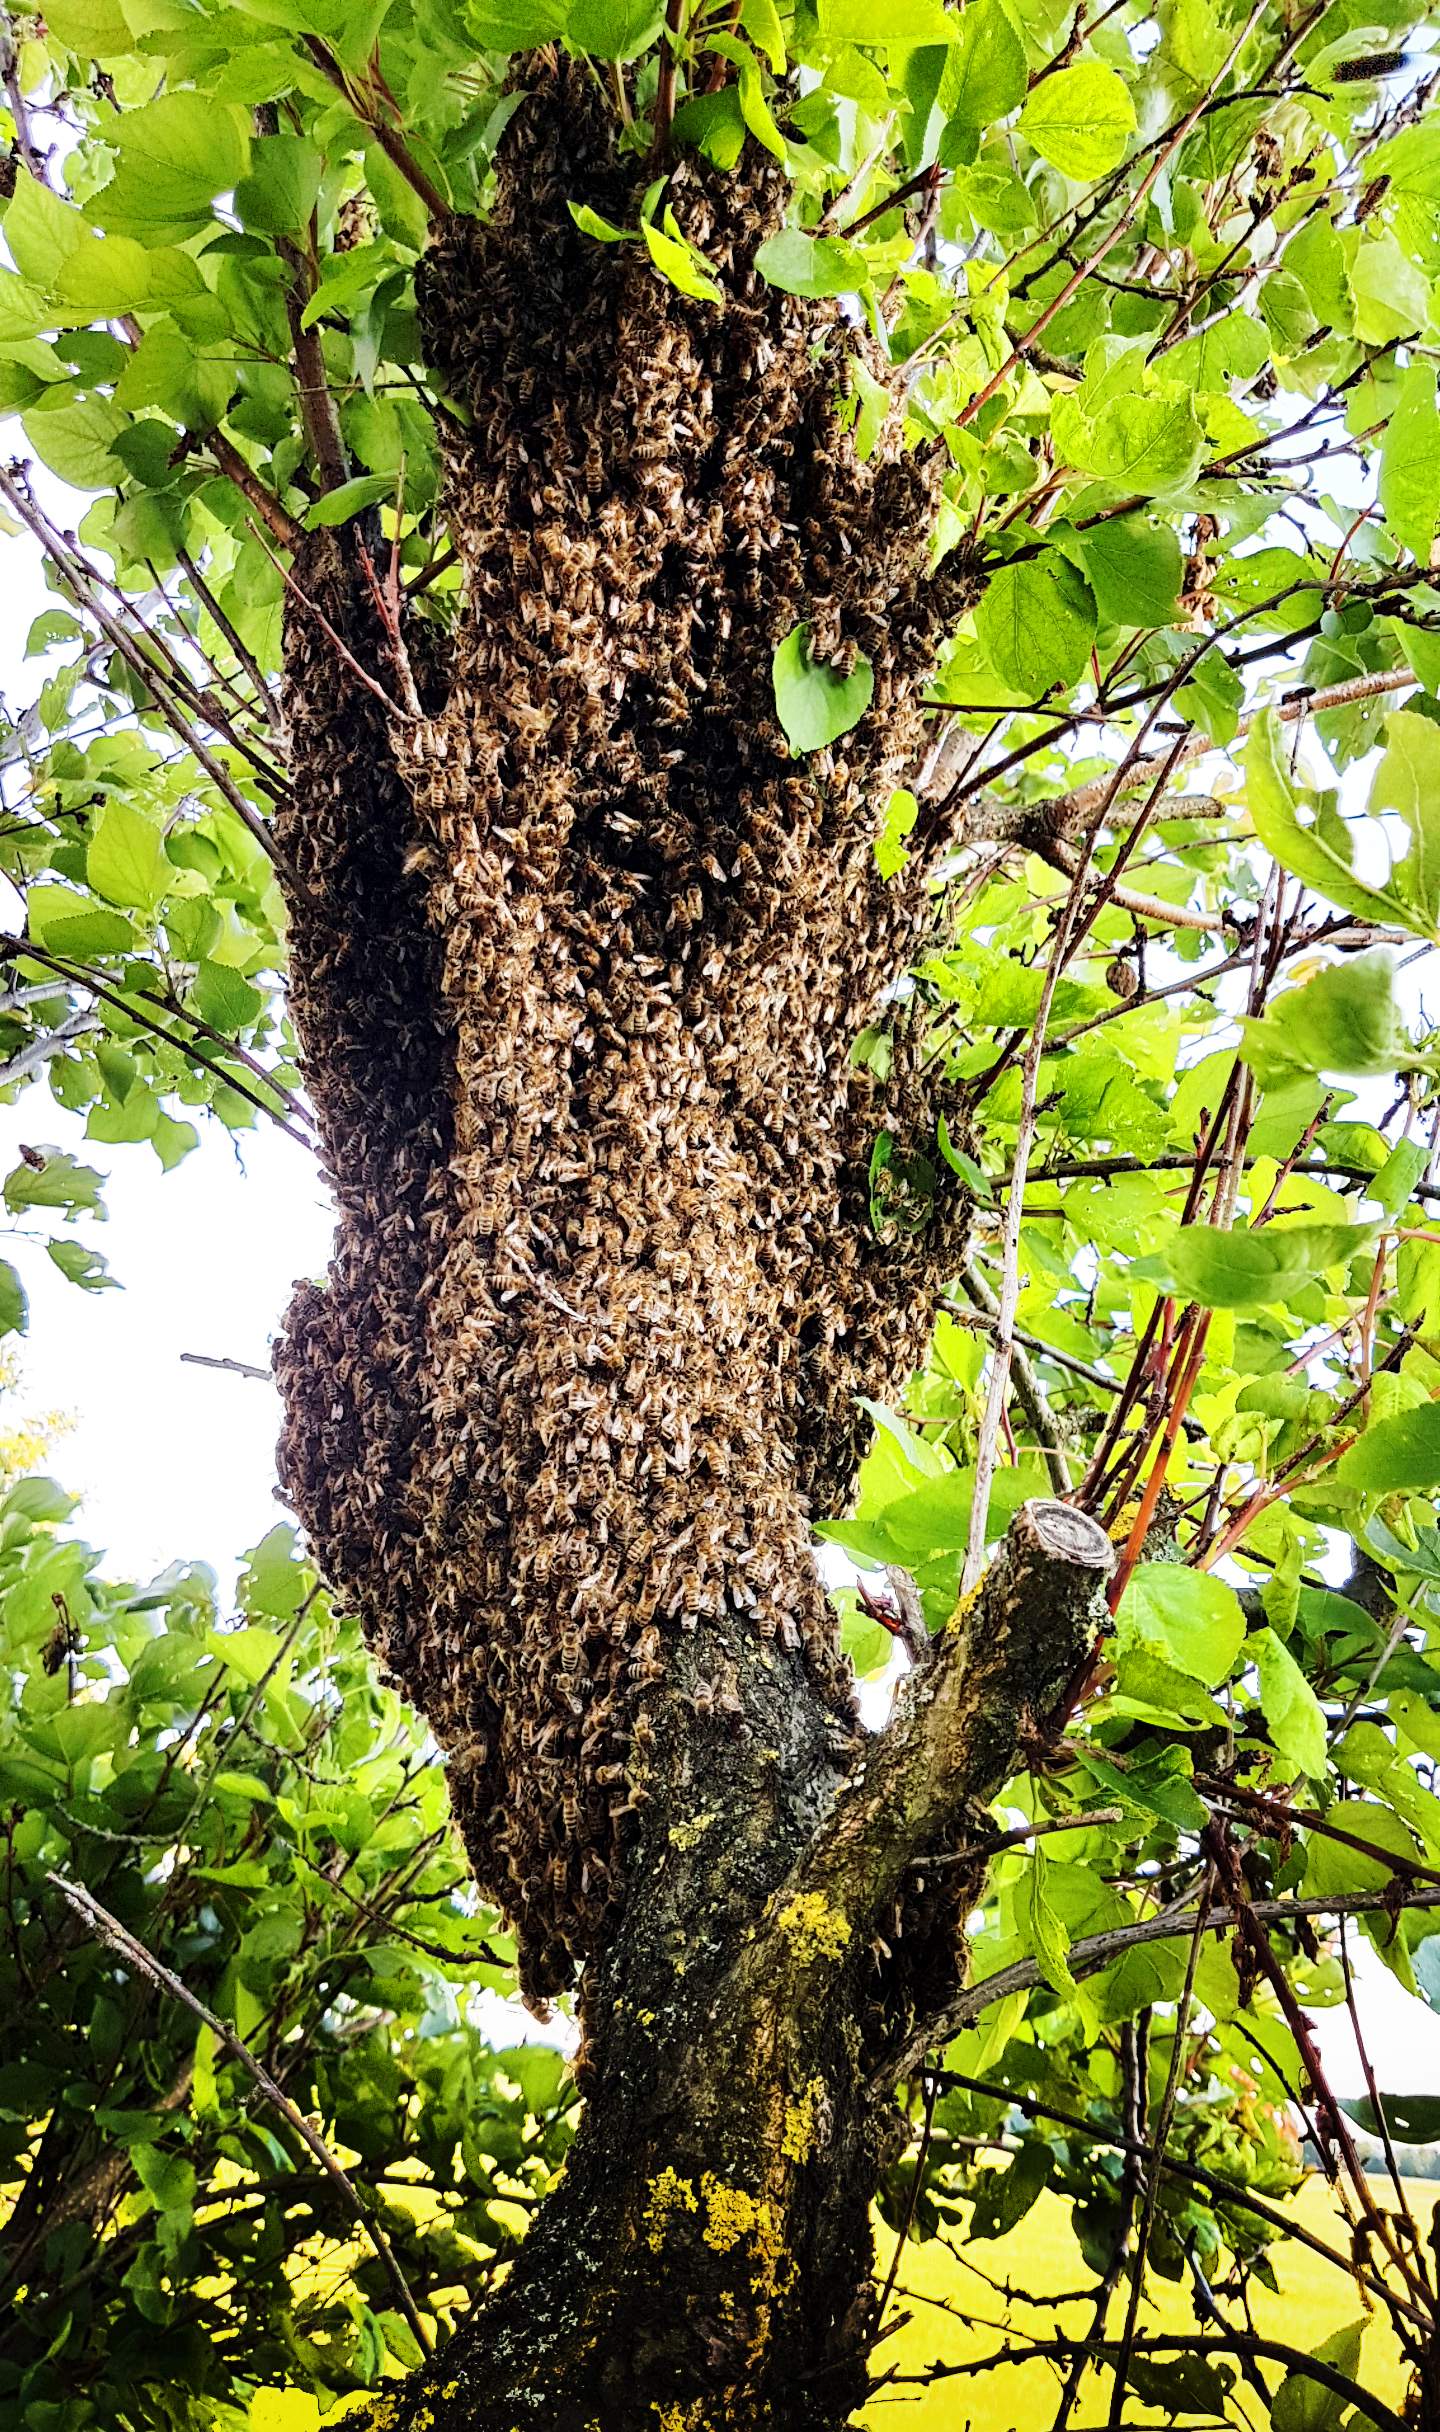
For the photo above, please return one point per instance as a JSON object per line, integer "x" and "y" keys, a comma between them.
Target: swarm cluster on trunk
{"x": 583, "y": 955}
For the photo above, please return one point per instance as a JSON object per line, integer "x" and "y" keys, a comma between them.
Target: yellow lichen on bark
{"x": 797, "y": 2138}
{"x": 817, "y": 1930}
{"x": 668, "y": 2193}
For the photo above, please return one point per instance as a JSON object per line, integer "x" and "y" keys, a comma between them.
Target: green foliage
{"x": 1131, "y": 283}
{"x": 272, "y": 1825}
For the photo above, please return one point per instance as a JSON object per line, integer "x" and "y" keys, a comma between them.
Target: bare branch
{"x": 1093, "y": 1952}
{"x": 1005, "y": 1655}
{"x": 1188, "y": 2343}
{"x": 109, "y": 1930}
{"x": 202, "y": 1359}
{"x": 1066, "y": 813}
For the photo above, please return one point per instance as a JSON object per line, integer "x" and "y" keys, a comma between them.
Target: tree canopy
{"x": 1140, "y": 304}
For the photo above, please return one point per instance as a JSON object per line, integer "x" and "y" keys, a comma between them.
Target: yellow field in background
{"x": 1315, "y": 2299}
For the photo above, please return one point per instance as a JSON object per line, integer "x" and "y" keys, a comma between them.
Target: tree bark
{"x": 707, "y": 2256}
{"x": 580, "y": 951}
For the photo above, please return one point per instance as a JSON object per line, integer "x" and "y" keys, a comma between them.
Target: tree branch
{"x": 276, "y": 518}
{"x": 994, "y": 822}
{"x": 1093, "y": 1952}
{"x": 1188, "y": 2343}
{"x": 109, "y": 1930}
{"x": 1027, "y": 1384}
{"x": 1005, "y": 1656}
{"x": 391, "y": 142}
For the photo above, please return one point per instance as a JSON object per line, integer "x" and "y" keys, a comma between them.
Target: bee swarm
{"x": 584, "y": 958}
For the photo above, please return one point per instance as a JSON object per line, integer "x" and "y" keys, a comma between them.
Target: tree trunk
{"x": 579, "y": 959}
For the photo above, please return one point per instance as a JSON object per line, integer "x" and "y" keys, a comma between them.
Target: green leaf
{"x": 1317, "y": 258}
{"x": 1193, "y": 1621}
{"x": 1333, "y": 1866}
{"x": 1081, "y": 121}
{"x": 984, "y": 78}
{"x": 884, "y": 24}
{"x": 59, "y": 921}
{"x": 1147, "y": 444}
{"x": 1396, "y": 1179}
{"x": 1136, "y": 1981}
{"x": 1135, "y": 570}
{"x": 282, "y": 188}
{"x": 77, "y": 442}
{"x": 1302, "y": 2404}
{"x": 1157, "y": 1692}
{"x": 1321, "y": 853}
{"x": 40, "y": 230}
{"x": 1408, "y": 782}
{"x": 1398, "y": 1455}
{"x": 402, "y": 213}
{"x": 754, "y": 108}
{"x": 678, "y": 262}
{"x": 401, "y": 2340}
{"x": 275, "y": 1581}
{"x": 760, "y": 20}
{"x": 1392, "y": 295}
{"x": 875, "y": 405}
{"x": 126, "y": 860}
{"x": 223, "y": 999}
{"x": 901, "y": 812}
{"x": 590, "y": 223}
{"x": 351, "y": 499}
{"x": 1345, "y": 1020}
{"x": 613, "y": 29}
{"x": 713, "y": 124}
{"x": 174, "y": 156}
{"x": 23, "y": 314}
{"x": 804, "y": 265}
{"x": 515, "y": 25}
{"x": 249, "y": 1654}
{"x": 83, "y": 1267}
{"x": 103, "y": 276}
{"x": 1036, "y": 623}
{"x": 172, "y": 1141}
{"x": 93, "y": 29}
{"x": 1002, "y": 2198}
{"x": 816, "y": 704}
{"x": 14, "y": 1307}
{"x": 1412, "y": 2119}
{"x": 1240, "y": 1270}
{"x": 1409, "y": 484}
{"x": 57, "y": 1182}
{"x": 1036, "y": 1920}
{"x": 1290, "y": 1705}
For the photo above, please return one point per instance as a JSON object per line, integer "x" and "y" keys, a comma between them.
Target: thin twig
{"x": 1012, "y": 1839}
{"x": 117, "y": 632}
{"x": 912, "y": 2200}
{"x": 1161, "y": 2140}
{"x": 1190, "y": 2343}
{"x": 391, "y": 707}
{"x": 109, "y": 1930}
{"x": 202, "y": 1359}
{"x": 989, "y": 1434}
